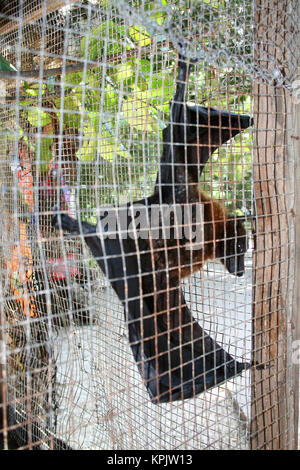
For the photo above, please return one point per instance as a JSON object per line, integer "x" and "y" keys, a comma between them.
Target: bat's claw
{"x": 182, "y": 54}
{"x": 259, "y": 366}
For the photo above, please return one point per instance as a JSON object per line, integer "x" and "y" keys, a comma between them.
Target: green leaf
{"x": 110, "y": 97}
{"x": 159, "y": 17}
{"x": 45, "y": 153}
{"x": 136, "y": 113}
{"x": 124, "y": 72}
{"x": 100, "y": 139}
{"x": 140, "y": 35}
{"x": 108, "y": 32}
{"x": 88, "y": 151}
{"x": 37, "y": 117}
{"x": 34, "y": 90}
{"x": 5, "y": 65}
{"x": 71, "y": 119}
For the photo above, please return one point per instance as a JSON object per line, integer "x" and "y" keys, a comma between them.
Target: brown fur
{"x": 181, "y": 261}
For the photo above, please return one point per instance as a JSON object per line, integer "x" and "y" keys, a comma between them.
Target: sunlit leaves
{"x": 99, "y": 139}
{"x": 71, "y": 115}
{"x": 109, "y": 37}
{"x": 37, "y": 117}
{"x": 120, "y": 105}
{"x": 43, "y": 151}
{"x": 136, "y": 112}
{"x": 140, "y": 36}
{"x": 34, "y": 90}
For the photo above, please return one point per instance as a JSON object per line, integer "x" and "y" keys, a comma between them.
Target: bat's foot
{"x": 182, "y": 55}
{"x": 259, "y": 366}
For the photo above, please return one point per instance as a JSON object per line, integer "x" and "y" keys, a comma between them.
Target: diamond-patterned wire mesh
{"x": 85, "y": 96}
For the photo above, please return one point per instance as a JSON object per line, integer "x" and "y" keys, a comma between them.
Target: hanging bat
{"x": 175, "y": 357}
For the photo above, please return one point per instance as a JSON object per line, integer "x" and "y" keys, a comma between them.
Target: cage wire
{"x": 85, "y": 97}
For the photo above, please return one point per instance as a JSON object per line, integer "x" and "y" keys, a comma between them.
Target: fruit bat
{"x": 176, "y": 358}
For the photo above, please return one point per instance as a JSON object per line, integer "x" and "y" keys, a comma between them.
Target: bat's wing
{"x": 189, "y": 361}
{"x": 189, "y": 142}
{"x": 192, "y": 135}
{"x": 207, "y": 130}
{"x": 175, "y": 357}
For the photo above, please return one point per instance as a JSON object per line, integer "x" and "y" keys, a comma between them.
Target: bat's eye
{"x": 239, "y": 248}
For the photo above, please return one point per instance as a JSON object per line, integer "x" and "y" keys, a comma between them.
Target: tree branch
{"x": 72, "y": 68}
{"x": 37, "y": 14}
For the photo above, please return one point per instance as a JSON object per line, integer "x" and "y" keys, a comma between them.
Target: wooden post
{"x": 294, "y": 150}
{"x": 272, "y": 419}
{"x": 295, "y": 320}
{"x": 294, "y": 153}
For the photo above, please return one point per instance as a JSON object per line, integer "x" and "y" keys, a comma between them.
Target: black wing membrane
{"x": 174, "y": 355}
{"x": 190, "y": 360}
{"x": 193, "y": 134}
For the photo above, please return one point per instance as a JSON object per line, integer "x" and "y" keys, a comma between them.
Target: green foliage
{"x": 109, "y": 36}
{"x": 5, "y": 65}
{"x": 37, "y": 117}
{"x": 121, "y": 112}
{"x": 44, "y": 153}
{"x": 34, "y": 90}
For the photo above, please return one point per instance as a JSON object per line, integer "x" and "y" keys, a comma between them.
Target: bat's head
{"x": 231, "y": 250}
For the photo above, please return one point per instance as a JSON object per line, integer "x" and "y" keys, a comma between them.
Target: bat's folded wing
{"x": 176, "y": 358}
{"x": 174, "y": 355}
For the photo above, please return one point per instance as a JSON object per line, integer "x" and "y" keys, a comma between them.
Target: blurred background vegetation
{"x": 118, "y": 109}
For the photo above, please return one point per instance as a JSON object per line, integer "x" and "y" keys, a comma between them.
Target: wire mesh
{"x": 85, "y": 100}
